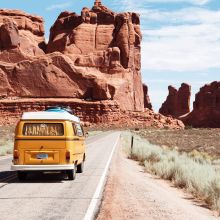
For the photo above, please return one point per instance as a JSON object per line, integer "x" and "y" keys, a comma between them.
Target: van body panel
{"x": 34, "y": 150}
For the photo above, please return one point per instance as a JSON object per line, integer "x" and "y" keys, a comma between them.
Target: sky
{"x": 181, "y": 38}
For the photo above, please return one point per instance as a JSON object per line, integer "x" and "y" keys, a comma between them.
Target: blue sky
{"x": 181, "y": 38}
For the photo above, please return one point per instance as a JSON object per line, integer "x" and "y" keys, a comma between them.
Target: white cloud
{"x": 186, "y": 15}
{"x": 134, "y": 5}
{"x": 58, "y": 6}
{"x": 188, "y": 40}
{"x": 182, "y": 48}
{"x": 194, "y": 2}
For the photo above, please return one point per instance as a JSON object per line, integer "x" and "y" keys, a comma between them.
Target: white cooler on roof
{"x": 46, "y": 115}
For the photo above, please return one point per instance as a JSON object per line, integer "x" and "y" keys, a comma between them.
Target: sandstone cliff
{"x": 177, "y": 102}
{"x": 206, "y": 108}
{"x": 92, "y": 62}
{"x": 105, "y": 114}
{"x": 92, "y": 56}
{"x": 22, "y": 32}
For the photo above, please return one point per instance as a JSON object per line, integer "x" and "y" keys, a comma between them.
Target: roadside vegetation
{"x": 201, "y": 140}
{"x": 192, "y": 171}
{"x": 6, "y": 140}
{"x": 93, "y": 133}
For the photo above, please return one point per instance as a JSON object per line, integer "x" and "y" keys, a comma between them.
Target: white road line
{"x": 92, "y": 206}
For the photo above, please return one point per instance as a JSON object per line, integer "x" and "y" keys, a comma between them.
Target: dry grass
{"x": 93, "y": 133}
{"x": 205, "y": 141}
{"x": 192, "y": 171}
{"x": 6, "y": 140}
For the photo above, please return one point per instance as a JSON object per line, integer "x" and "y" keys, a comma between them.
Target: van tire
{"x": 21, "y": 175}
{"x": 72, "y": 173}
{"x": 80, "y": 167}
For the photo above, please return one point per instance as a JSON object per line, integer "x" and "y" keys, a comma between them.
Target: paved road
{"x": 48, "y": 196}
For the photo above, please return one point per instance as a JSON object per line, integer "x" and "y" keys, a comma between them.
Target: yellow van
{"x": 51, "y": 140}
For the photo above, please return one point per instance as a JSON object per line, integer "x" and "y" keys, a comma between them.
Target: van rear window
{"x": 43, "y": 129}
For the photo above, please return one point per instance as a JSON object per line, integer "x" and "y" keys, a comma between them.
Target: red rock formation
{"x": 95, "y": 55}
{"x": 112, "y": 45}
{"x": 147, "y": 103}
{"x": 206, "y": 108}
{"x": 21, "y": 31}
{"x": 92, "y": 62}
{"x": 177, "y": 102}
{"x": 99, "y": 113}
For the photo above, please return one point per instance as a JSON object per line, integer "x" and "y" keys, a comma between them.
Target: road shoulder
{"x": 132, "y": 194}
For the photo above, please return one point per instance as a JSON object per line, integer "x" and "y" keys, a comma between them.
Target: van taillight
{"x": 67, "y": 155}
{"x": 16, "y": 155}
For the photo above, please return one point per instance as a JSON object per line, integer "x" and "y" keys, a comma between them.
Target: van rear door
{"x": 42, "y": 143}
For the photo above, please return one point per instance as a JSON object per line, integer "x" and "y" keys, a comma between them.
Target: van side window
{"x": 78, "y": 129}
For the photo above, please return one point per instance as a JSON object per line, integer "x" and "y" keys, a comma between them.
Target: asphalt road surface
{"x": 48, "y": 196}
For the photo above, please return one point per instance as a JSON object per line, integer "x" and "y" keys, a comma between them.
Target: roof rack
{"x": 59, "y": 109}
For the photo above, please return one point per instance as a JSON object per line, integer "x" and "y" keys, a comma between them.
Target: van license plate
{"x": 42, "y": 156}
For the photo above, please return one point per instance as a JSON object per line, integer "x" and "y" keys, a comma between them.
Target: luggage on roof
{"x": 53, "y": 113}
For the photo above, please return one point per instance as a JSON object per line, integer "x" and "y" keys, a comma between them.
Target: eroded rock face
{"x": 9, "y": 35}
{"x": 93, "y": 113}
{"x": 92, "y": 63}
{"x": 206, "y": 108}
{"x": 22, "y": 32}
{"x": 92, "y": 56}
{"x": 177, "y": 102}
{"x": 108, "y": 41}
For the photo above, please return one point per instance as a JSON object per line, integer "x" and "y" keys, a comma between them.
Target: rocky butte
{"x": 206, "y": 108}
{"x": 92, "y": 63}
{"x": 177, "y": 102}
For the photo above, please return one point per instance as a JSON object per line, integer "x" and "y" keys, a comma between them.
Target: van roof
{"x": 50, "y": 115}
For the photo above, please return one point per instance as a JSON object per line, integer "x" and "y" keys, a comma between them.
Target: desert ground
{"x": 203, "y": 140}
{"x": 133, "y": 191}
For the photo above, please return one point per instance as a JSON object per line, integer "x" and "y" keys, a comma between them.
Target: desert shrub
{"x": 6, "y": 140}
{"x": 93, "y": 133}
{"x": 193, "y": 172}
{"x": 200, "y": 157}
{"x": 6, "y": 148}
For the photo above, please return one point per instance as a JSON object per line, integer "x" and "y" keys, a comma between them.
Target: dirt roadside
{"x": 132, "y": 194}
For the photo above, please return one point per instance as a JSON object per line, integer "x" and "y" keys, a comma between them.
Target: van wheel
{"x": 21, "y": 175}
{"x": 80, "y": 167}
{"x": 72, "y": 174}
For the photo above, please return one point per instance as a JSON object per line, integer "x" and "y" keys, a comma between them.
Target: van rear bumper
{"x": 42, "y": 167}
